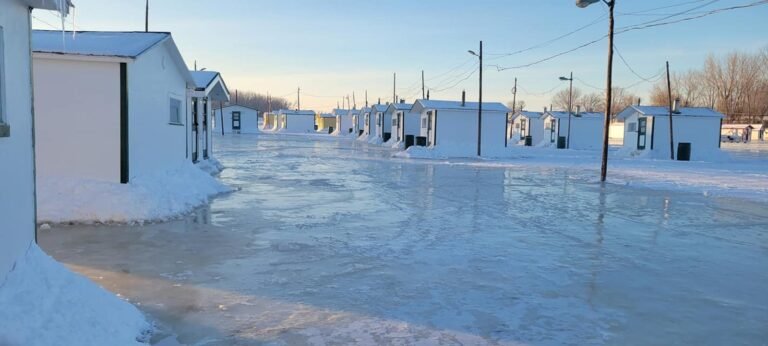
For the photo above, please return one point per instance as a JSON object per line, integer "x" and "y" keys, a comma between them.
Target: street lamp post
{"x": 570, "y": 110}
{"x": 609, "y": 90}
{"x": 480, "y": 101}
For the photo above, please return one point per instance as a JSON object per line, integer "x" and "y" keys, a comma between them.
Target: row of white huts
{"x": 451, "y": 127}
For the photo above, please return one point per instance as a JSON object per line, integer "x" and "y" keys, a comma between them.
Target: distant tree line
{"x": 735, "y": 84}
{"x": 594, "y": 102}
{"x": 260, "y": 102}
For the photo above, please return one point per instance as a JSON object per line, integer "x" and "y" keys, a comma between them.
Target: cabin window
{"x": 423, "y": 123}
{"x": 5, "y": 130}
{"x": 175, "y": 115}
{"x": 632, "y": 127}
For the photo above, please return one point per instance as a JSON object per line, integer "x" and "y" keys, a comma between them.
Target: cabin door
{"x": 195, "y": 129}
{"x": 205, "y": 129}
{"x": 523, "y": 128}
{"x": 236, "y": 121}
{"x": 400, "y": 126}
{"x": 431, "y": 128}
{"x": 642, "y": 131}
{"x": 552, "y": 130}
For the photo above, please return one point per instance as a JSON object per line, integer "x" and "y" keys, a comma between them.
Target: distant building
{"x": 239, "y": 119}
{"x": 269, "y": 121}
{"x": 325, "y": 122}
{"x": 586, "y": 130}
{"x": 376, "y": 130}
{"x": 364, "y": 122}
{"x": 646, "y": 130}
{"x": 110, "y": 105}
{"x": 526, "y": 124}
{"x": 296, "y": 121}
{"x": 209, "y": 88}
{"x": 742, "y": 132}
{"x": 452, "y": 127}
{"x": 343, "y": 125}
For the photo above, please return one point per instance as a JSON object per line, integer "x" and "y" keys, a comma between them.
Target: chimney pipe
{"x": 545, "y": 109}
{"x": 676, "y": 106}
{"x": 463, "y": 98}
{"x": 578, "y": 110}
{"x": 402, "y": 100}
{"x": 427, "y": 94}
{"x": 379, "y": 100}
{"x": 638, "y": 101}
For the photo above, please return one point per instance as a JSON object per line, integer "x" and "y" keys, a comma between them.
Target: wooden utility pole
{"x": 354, "y": 102}
{"x": 298, "y": 99}
{"x": 514, "y": 96}
{"x": 221, "y": 110}
{"x": 480, "y": 106}
{"x": 146, "y": 17}
{"x": 394, "y": 88}
{"x": 671, "y": 105}
{"x": 423, "y": 95}
{"x": 366, "y": 99}
{"x": 608, "y": 93}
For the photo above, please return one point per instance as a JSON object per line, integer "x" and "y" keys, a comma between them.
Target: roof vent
{"x": 676, "y": 106}
{"x": 578, "y": 110}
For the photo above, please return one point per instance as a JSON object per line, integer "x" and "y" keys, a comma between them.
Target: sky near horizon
{"x": 333, "y": 48}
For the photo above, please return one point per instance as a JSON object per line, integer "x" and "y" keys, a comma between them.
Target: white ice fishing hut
{"x": 363, "y": 121}
{"x": 209, "y": 89}
{"x": 524, "y": 124}
{"x": 17, "y": 177}
{"x": 586, "y": 130}
{"x": 452, "y": 127}
{"x": 296, "y": 121}
{"x": 240, "y": 119}
{"x": 405, "y": 123}
{"x": 110, "y": 105}
{"x": 646, "y": 130}
{"x": 344, "y": 124}
{"x": 377, "y": 118}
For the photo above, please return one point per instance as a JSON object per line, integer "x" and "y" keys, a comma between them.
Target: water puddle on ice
{"x": 333, "y": 242}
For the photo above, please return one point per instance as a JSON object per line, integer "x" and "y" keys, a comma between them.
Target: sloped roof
{"x": 379, "y": 108}
{"x": 456, "y": 105}
{"x": 96, "y": 43}
{"x": 295, "y": 112}
{"x": 561, "y": 115}
{"x": 326, "y": 115}
{"x": 528, "y": 114}
{"x": 203, "y": 78}
{"x": 657, "y": 111}
{"x": 400, "y": 106}
{"x": 340, "y": 111}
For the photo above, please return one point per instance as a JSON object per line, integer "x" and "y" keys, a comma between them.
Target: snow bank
{"x": 210, "y": 166}
{"x": 158, "y": 197}
{"x": 43, "y": 303}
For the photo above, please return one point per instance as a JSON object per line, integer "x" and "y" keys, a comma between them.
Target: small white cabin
{"x": 523, "y": 124}
{"x": 405, "y": 123}
{"x": 646, "y": 130}
{"x": 580, "y": 131}
{"x": 17, "y": 177}
{"x": 209, "y": 89}
{"x": 325, "y": 122}
{"x": 344, "y": 123}
{"x": 451, "y": 127}
{"x": 239, "y": 119}
{"x": 363, "y": 122}
{"x": 296, "y": 121}
{"x": 377, "y": 122}
{"x": 110, "y": 106}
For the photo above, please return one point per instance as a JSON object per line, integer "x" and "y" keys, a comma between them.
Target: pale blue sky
{"x": 334, "y": 47}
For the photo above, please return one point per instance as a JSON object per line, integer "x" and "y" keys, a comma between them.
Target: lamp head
{"x": 564, "y": 79}
{"x": 472, "y": 52}
{"x": 585, "y": 3}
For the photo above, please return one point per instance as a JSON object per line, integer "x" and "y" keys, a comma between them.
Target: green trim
{"x": 124, "y": 124}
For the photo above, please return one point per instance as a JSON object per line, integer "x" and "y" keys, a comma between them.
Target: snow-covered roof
{"x": 741, "y": 126}
{"x": 456, "y": 105}
{"x": 296, "y": 112}
{"x": 242, "y": 106}
{"x": 62, "y": 6}
{"x": 562, "y": 114}
{"x": 212, "y": 83}
{"x": 658, "y": 111}
{"x": 340, "y": 111}
{"x": 400, "y": 106}
{"x": 326, "y": 115}
{"x": 379, "y": 108}
{"x": 528, "y": 114}
{"x": 96, "y": 43}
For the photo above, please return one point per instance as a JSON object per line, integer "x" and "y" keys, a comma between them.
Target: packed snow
{"x": 43, "y": 303}
{"x": 335, "y": 241}
{"x": 159, "y": 197}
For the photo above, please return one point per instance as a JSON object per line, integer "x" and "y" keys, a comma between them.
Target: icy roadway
{"x": 333, "y": 242}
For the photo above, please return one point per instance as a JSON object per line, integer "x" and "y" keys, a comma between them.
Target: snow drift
{"x": 43, "y": 303}
{"x": 159, "y": 197}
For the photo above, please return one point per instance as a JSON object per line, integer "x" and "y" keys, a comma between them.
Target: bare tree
{"x": 592, "y": 102}
{"x": 561, "y": 98}
{"x": 520, "y": 105}
{"x": 260, "y": 102}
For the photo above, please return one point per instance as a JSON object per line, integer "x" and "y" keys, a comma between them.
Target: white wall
{"x": 534, "y": 127}
{"x": 386, "y": 123}
{"x": 155, "y": 144}
{"x": 249, "y": 120}
{"x": 586, "y": 133}
{"x": 77, "y": 119}
{"x": 299, "y": 123}
{"x": 376, "y": 118}
{"x": 457, "y": 133}
{"x": 702, "y": 132}
{"x": 412, "y": 123}
{"x": 368, "y": 121}
{"x": 17, "y": 218}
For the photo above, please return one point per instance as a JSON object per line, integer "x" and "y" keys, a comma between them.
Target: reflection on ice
{"x": 333, "y": 242}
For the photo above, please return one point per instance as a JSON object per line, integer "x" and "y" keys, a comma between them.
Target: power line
{"x": 46, "y": 23}
{"x": 616, "y": 49}
{"x": 642, "y": 26}
{"x": 457, "y": 83}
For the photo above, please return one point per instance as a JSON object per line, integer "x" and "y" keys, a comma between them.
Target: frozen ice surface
{"x": 336, "y": 242}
